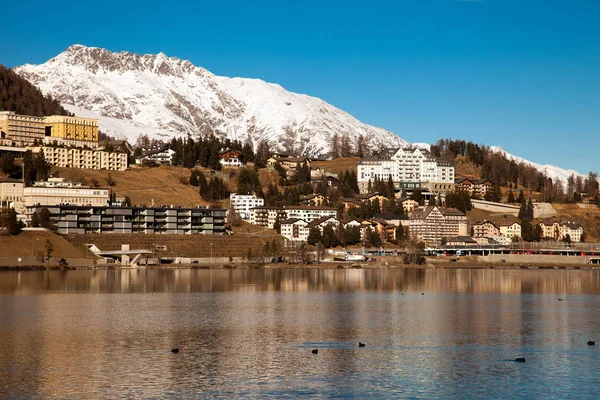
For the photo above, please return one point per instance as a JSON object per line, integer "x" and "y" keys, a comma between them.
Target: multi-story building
{"x": 26, "y": 130}
{"x": 84, "y": 158}
{"x": 434, "y": 223}
{"x": 134, "y": 220}
{"x": 11, "y": 193}
{"x": 550, "y": 229}
{"x": 485, "y": 228}
{"x": 295, "y": 230}
{"x": 73, "y": 131}
{"x": 309, "y": 213}
{"x": 266, "y": 216}
{"x": 553, "y": 230}
{"x": 409, "y": 168}
{"x": 21, "y": 129}
{"x": 475, "y": 187}
{"x": 243, "y": 203}
{"x": 58, "y": 191}
{"x": 572, "y": 230}
{"x": 511, "y": 229}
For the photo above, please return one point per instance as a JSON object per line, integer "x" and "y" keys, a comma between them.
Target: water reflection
{"x": 299, "y": 280}
{"x": 248, "y": 333}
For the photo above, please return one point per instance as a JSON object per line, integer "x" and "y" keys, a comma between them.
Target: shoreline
{"x": 322, "y": 265}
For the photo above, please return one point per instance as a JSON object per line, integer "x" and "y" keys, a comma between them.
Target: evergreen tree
{"x": 335, "y": 146}
{"x": 314, "y": 236}
{"x": 9, "y": 221}
{"x": 511, "y": 197}
{"x": 35, "y": 220}
{"x": 28, "y": 168}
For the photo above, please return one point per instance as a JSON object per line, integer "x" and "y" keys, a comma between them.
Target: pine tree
{"x": 511, "y": 197}
{"x": 35, "y": 220}
{"x": 28, "y": 168}
{"x": 314, "y": 236}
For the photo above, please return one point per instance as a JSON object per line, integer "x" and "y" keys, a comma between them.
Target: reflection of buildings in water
{"x": 300, "y": 280}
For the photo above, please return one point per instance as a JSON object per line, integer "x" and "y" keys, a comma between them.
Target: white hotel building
{"x": 409, "y": 167}
{"x": 242, "y": 203}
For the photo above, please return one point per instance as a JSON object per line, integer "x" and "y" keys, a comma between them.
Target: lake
{"x": 250, "y": 333}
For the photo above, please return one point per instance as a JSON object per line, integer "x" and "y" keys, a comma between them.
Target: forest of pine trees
{"x": 20, "y": 96}
{"x": 507, "y": 173}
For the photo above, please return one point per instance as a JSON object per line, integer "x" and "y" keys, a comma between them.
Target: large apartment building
{"x": 84, "y": 158}
{"x": 55, "y": 191}
{"x": 134, "y": 220}
{"x": 21, "y": 129}
{"x": 73, "y": 131}
{"x": 58, "y": 191}
{"x": 432, "y": 224}
{"x": 409, "y": 168}
{"x": 309, "y": 213}
{"x": 25, "y": 130}
{"x": 266, "y": 216}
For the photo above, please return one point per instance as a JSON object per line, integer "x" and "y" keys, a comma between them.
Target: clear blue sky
{"x": 523, "y": 74}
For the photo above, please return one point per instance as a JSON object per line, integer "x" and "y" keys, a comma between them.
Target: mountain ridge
{"x": 178, "y": 98}
{"x": 154, "y": 94}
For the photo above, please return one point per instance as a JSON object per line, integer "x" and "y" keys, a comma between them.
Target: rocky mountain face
{"x": 164, "y": 96}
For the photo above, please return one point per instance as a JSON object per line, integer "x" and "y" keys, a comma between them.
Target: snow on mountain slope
{"x": 551, "y": 171}
{"x": 165, "y": 96}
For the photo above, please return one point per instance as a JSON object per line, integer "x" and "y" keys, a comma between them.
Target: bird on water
{"x": 360, "y": 344}
{"x": 592, "y": 343}
{"x": 175, "y": 350}
{"x": 520, "y": 359}
{"x": 315, "y": 351}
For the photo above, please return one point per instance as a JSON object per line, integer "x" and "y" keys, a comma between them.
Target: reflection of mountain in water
{"x": 300, "y": 280}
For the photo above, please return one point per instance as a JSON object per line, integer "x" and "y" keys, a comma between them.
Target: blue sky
{"x": 523, "y": 74}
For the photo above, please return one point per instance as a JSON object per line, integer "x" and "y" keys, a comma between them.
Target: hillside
{"x": 32, "y": 243}
{"x": 19, "y": 95}
{"x": 142, "y": 185}
{"x": 589, "y": 218}
{"x": 179, "y": 245}
{"x": 166, "y": 97}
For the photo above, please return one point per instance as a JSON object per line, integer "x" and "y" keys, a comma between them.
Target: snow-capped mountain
{"x": 164, "y": 96}
{"x": 551, "y": 171}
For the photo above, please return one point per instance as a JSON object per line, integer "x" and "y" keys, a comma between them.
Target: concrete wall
{"x": 496, "y": 207}
{"x": 543, "y": 210}
{"x": 535, "y": 259}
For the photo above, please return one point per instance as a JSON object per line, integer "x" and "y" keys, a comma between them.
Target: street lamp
{"x": 211, "y": 257}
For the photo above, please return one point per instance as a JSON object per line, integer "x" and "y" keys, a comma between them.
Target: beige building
{"x": 21, "y": 129}
{"x": 11, "y": 194}
{"x": 58, "y": 191}
{"x": 553, "y": 230}
{"x": 84, "y": 158}
{"x": 485, "y": 229}
{"x": 511, "y": 229}
{"x": 433, "y": 223}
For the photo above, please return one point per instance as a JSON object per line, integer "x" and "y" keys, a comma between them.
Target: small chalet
{"x": 231, "y": 158}
{"x": 314, "y": 200}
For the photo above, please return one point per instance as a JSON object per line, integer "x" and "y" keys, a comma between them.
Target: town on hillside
{"x": 449, "y": 199}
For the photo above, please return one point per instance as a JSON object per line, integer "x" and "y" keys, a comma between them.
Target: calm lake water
{"x": 249, "y": 334}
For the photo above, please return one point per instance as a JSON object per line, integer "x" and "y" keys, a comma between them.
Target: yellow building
{"x": 72, "y": 129}
{"x": 24, "y": 130}
{"x": 21, "y": 129}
